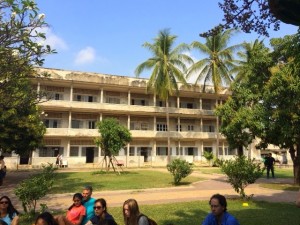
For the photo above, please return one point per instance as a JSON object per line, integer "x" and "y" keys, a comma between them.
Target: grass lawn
{"x": 191, "y": 213}
{"x": 135, "y": 179}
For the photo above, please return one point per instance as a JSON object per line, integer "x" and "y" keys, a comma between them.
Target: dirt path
{"x": 202, "y": 190}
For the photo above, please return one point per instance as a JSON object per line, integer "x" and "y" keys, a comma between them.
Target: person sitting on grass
{"x": 45, "y": 218}
{"x": 75, "y": 213}
{"x": 8, "y": 213}
{"x": 101, "y": 217}
{"x": 219, "y": 214}
{"x": 132, "y": 215}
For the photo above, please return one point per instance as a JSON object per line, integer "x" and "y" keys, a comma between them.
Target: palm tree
{"x": 246, "y": 56}
{"x": 168, "y": 65}
{"x": 215, "y": 68}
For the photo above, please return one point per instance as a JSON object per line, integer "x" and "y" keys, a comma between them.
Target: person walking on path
{"x": 219, "y": 214}
{"x": 269, "y": 163}
{"x": 88, "y": 203}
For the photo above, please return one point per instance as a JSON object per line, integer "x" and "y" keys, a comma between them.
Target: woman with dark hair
{"x": 8, "y": 213}
{"x": 75, "y": 213}
{"x": 132, "y": 215}
{"x": 219, "y": 214}
{"x": 45, "y": 218}
{"x": 101, "y": 217}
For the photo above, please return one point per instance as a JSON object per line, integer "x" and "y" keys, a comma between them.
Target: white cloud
{"x": 53, "y": 40}
{"x": 85, "y": 56}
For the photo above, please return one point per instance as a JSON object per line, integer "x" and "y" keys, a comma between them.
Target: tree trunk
{"x": 168, "y": 134}
{"x": 295, "y": 156}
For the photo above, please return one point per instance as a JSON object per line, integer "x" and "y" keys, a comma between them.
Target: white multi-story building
{"x": 79, "y": 99}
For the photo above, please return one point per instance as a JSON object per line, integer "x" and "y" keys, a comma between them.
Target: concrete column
{"x": 178, "y": 124}
{"x": 128, "y": 122}
{"x": 178, "y": 102}
{"x": 100, "y": 117}
{"x": 71, "y": 93}
{"x": 127, "y": 154}
{"x": 200, "y": 103}
{"x": 101, "y": 96}
{"x": 129, "y": 97}
{"x": 153, "y": 149}
{"x": 154, "y": 123}
{"x": 70, "y": 120}
{"x": 201, "y": 125}
{"x": 154, "y": 100}
{"x": 68, "y": 148}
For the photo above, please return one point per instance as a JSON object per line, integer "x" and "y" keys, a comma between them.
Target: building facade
{"x": 77, "y": 100}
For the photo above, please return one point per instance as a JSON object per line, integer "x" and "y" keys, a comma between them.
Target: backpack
{"x": 150, "y": 221}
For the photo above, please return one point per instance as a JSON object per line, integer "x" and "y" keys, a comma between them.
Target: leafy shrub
{"x": 241, "y": 172}
{"x": 35, "y": 187}
{"x": 209, "y": 156}
{"x": 179, "y": 169}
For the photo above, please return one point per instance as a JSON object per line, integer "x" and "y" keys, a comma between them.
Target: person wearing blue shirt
{"x": 88, "y": 203}
{"x": 219, "y": 214}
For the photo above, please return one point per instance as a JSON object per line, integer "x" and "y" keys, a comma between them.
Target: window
{"x": 190, "y": 151}
{"x": 92, "y": 124}
{"x": 74, "y": 151}
{"x": 161, "y": 127}
{"x": 50, "y": 151}
{"x": 90, "y": 98}
{"x": 113, "y": 100}
{"x": 131, "y": 151}
{"x": 57, "y": 96}
{"x": 208, "y": 128}
{"x": 142, "y": 102}
{"x": 76, "y": 124}
{"x": 189, "y": 105}
{"x": 78, "y": 98}
{"x": 52, "y": 123}
{"x": 190, "y": 127}
{"x": 179, "y": 128}
{"x": 144, "y": 126}
{"x": 208, "y": 149}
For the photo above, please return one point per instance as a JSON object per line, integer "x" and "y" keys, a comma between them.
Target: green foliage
{"x": 37, "y": 186}
{"x": 215, "y": 67}
{"x": 179, "y": 169}
{"x": 114, "y": 136}
{"x": 209, "y": 156}
{"x": 241, "y": 172}
{"x": 21, "y": 50}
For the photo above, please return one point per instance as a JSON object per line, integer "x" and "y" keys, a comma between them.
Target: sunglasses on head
{"x": 4, "y": 202}
{"x": 97, "y": 207}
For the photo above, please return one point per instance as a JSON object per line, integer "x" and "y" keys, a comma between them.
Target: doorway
{"x": 89, "y": 155}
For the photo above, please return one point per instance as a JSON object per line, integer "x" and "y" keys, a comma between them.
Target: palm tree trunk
{"x": 168, "y": 130}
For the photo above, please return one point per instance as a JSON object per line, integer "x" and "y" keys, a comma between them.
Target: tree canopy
{"x": 21, "y": 50}
{"x": 257, "y": 15}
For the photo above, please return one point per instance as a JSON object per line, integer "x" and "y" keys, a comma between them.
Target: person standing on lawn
{"x": 269, "y": 163}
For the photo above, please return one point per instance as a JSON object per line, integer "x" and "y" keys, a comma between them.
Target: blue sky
{"x": 106, "y": 36}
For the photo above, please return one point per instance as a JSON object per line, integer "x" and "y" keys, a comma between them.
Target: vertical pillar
{"x": 129, "y": 97}
{"x": 178, "y": 102}
{"x": 128, "y": 122}
{"x": 154, "y": 100}
{"x": 200, "y": 103}
{"x": 201, "y": 125}
{"x": 178, "y": 124}
{"x": 68, "y": 148}
{"x": 70, "y": 120}
{"x": 127, "y": 154}
{"x": 101, "y": 96}
{"x": 71, "y": 93}
{"x": 154, "y": 123}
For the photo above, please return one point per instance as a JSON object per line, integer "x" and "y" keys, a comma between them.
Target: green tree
{"x": 179, "y": 169}
{"x": 257, "y": 15}
{"x": 209, "y": 156}
{"x": 216, "y": 66}
{"x": 168, "y": 64}
{"x": 114, "y": 137}
{"x": 239, "y": 116}
{"x": 21, "y": 49}
{"x": 30, "y": 190}
{"x": 241, "y": 172}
